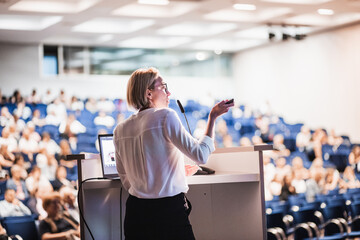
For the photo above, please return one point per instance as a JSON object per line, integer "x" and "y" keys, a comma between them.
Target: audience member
{"x": 303, "y": 139}
{"x": 6, "y": 118}
{"x": 227, "y": 141}
{"x": 287, "y": 188}
{"x": 4, "y": 174}
{"x": 279, "y": 146}
{"x": 314, "y": 186}
{"x": 332, "y": 179}
{"x": 37, "y": 181}
{"x": 69, "y": 202}
{"x": 333, "y": 139}
{"x": 61, "y": 180}
{"x": 70, "y": 127}
{"x": 104, "y": 120}
{"x": 22, "y": 111}
{"x": 349, "y": 179}
{"x": 91, "y": 105}
{"x": 298, "y": 182}
{"x": 58, "y": 111}
{"x": 49, "y": 144}
{"x": 6, "y": 157}
{"x": 16, "y": 183}
{"x": 354, "y": 158}
{"x": 57, "y": 225}
{"x": 47, "y": 163}
{"x": 48, "y": 97}
{"x": 298, "y": 167}
{"x": 105, "y": 105}
{"x": 16, "y": 97}
{"x": 199, "y": 130}
{"x": 33, "y": 98}
{"x": 245, "y": 141}
{"x": 281, "y": 167}
{"x": 19, "y": 161}
{"x": 11, "y": 206}
{"x": 32, "y": 133}
{"x": 76, "y": 104}
{"x": 37, "y": 120}
{"x": 9, "y": 140}
{"x": 27, "y": 145}
{"x": 317, "y": 166}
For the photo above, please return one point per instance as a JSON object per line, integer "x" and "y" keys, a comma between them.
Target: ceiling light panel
{"x": 174, "y": 9}
{"x": 244, "y": 7}
{"x": 308, "y": 2}
{"x": 53, "y": 6}
{"x": 27, "y": 23}
{"x": 154, "y": 2}
{"x": 110, "y": 25}
{"x": 230, "y": 14}
{"x": 197, "y": 29}
{"x": 154, "y": 42}
{"x": 323, "y": 20}
{"x": 228, "y": 45}
{"x": 324, "y": 11}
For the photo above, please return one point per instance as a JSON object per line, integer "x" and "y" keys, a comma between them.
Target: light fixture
{"x": 324, "y": 11}
{"x": 218, "y": 51}
{"x": 154, "y": 2}
{"x": 245, "y": 7}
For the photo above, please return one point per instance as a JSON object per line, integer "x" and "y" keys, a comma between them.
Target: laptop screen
{"x": 107, "y": 156}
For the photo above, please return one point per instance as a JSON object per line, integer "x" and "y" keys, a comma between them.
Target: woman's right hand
{"x": 220, "y": 108}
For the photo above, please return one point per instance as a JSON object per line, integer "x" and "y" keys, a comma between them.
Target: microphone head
{"x": 180, "y": 106}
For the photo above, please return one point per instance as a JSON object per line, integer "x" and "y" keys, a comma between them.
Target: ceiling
{"x": 191, "y": 24}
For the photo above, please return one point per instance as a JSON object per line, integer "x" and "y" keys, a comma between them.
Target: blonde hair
{"x": 140, "y": 80}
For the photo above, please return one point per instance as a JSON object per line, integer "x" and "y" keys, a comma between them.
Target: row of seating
{"x": 334, "y": 215}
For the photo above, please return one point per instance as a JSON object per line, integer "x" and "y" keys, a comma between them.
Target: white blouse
{"x": 149, "y": 150}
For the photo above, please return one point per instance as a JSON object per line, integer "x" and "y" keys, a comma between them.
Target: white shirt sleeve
{"x": 197, "y": 150}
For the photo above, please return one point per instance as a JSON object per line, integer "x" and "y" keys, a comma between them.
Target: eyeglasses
{"x": 163, "y": 85}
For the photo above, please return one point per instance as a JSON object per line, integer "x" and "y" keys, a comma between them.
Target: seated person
{"x": 61, "y": 180}
{"x": 104, "y": 120}
{"x": 16, "y": 183}
{"x": 58, "y": 224}
{"x": 11, "y": 206}
{"x": 349, "y": 179}
{"x": 298, "y": 166}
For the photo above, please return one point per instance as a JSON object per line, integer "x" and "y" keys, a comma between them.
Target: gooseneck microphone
{"x": 183, "y": 112}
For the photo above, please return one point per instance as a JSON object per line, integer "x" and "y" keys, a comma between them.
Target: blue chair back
{"x": 23, "y": 226}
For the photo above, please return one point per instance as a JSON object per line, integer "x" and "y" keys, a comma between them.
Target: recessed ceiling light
{"x": 155, "y": 11}
{"x": 246, "y": 7}
{"x": 154, "y": 2}
{"x": 324, "y": 11}
{"x": 105, "y": 38}
{"x": 196, "y": 29}
{"x": 310, "y": 2}
{"x": 218, "y": 51}
{"x": 112, "y": 25}
{"x": 154, "y": 42}
{"x": 27, "y": 23}
{"x": 53, "y": 6}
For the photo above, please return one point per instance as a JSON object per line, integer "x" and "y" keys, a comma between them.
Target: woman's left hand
{"x": 191, "y": 169}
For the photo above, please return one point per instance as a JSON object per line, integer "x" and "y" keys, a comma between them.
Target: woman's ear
{"x": 148, "y": 94}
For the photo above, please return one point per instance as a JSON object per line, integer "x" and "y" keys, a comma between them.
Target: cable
{"x": 81, "y": 214}
{"x": 121, "y": 225}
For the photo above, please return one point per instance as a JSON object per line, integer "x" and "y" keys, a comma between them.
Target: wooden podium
{"x": 227, "y": 205}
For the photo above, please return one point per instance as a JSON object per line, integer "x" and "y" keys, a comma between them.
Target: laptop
{"x": 107, "y": 156}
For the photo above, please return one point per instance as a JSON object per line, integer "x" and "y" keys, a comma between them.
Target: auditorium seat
{"x": 23, "y": 226}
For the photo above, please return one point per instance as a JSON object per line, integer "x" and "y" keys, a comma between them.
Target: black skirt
{"x": 158, "y": 219}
